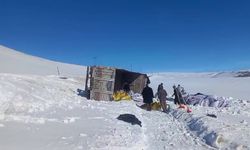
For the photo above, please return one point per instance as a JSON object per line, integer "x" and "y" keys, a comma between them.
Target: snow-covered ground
{"x": 207, "y": 83}
{"x": 49, "y": 112}
{"x": 44, "y": 111}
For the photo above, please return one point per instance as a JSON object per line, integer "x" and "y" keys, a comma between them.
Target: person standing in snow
{"x": 177, "y": 96}
{"x": 179, "y": 99}
{"x": 148, "y": 96}
{"x": 181, "y": 89}
{"x": 162, "y": 95}
{"x": 159, "y": 87}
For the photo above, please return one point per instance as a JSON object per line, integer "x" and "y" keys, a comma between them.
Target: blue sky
{"x": 147, "y": 36}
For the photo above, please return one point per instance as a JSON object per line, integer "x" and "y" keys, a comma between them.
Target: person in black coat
{"x": 148, "y": 96}
{"x": 177, "y": 96}
{"x": 178, "y": 99}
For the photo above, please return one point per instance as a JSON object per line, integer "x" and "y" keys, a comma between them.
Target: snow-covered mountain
{"x": 12, "y": 61}
{"x": 241, "y": 73}
{"x": 245, "y": 73}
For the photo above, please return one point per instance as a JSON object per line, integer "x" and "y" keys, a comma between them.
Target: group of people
{"x": 161, "y": 94}
{"x": 148, "y": 96}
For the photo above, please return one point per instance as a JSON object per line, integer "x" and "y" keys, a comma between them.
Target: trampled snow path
{"x": 159, "y": 131}
{"x": 163, "y": 131}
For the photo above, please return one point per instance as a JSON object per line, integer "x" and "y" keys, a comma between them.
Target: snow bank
{"x": 30, "y": 94}
{"x": 48, "y": 112}
{"x": 226, "y": 131}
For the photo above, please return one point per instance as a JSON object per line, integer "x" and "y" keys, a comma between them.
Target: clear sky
{"x": 145, "y": 35}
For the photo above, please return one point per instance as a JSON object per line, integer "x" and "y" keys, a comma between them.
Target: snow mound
{"x": 226, "y": 130}
{"x": 23, "y": 95}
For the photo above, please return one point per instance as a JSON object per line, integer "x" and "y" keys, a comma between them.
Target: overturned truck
{"x": 103, "y": 82}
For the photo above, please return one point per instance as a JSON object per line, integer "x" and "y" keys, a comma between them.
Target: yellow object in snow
{"x": 121, "y": 95}
{"x": 156, "y": 106}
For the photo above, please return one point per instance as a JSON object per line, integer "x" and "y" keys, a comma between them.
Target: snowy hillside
{"x": 41, "y": 110}
{"x": 12, "y": 61}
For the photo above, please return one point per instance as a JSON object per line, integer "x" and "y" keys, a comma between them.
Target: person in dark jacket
{"x": 177, "y": 96}
{"x": 148, "y": 96}
{"x": 159, "y": 87}
{"x": 181, "y": 89}
{"x": 179, "y": 99}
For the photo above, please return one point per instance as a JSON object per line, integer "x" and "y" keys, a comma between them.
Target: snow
{"x": 40, "y": 110}
{"x": 204, "y": 83}
{"x": 47, "y": 112}
{"x": 12, "y": 61}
